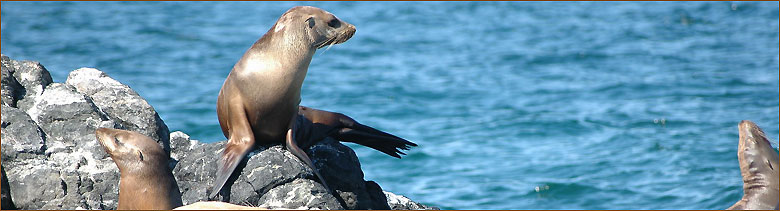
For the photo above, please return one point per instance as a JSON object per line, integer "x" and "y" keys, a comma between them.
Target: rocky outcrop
{"x": 53, "y": 161}
{"x": 120, "y": 103}
{"x": 29, "y": 80}
{"x": 273, "y": 177}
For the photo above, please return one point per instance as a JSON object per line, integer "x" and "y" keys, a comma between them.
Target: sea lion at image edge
{"x": 146, "y": 181}
{"x": 258, "y": 102}
{"x": 758, "y": 165}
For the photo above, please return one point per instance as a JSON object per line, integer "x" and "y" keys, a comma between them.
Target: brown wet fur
{"x": 260, "y": 96}
{"x": 344, "y": 128}
{"x": 758, "y": 163}
{"x": 146, "y": 181}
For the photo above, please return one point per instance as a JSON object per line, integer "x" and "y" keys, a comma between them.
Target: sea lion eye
{"x": 335, "y": 23}
{"x": 311, "y": 22}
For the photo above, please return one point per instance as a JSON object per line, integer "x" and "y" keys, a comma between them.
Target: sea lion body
{"x": 259, "y": 99}
{"x": 146, "y": 181}
{"x": 758, "y": 163}
{"x": 264, "y": 86}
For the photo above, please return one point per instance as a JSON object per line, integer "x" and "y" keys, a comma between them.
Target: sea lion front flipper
{"x": 758, "y": 163}
{"x": 298, "y": 152}
{"x": 227, "y": 163}
{"x": 241, "y": 140}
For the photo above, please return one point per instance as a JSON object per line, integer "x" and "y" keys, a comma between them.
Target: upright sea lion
{"x": 259, "y": 100}
{"x": 758, "y": 165}
{"x": 146, "y": 181}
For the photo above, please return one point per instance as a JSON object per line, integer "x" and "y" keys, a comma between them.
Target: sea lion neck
{"x": 285, "y": 39}
{"x": 156, "y": 189}
{"x": 286, "y": 49}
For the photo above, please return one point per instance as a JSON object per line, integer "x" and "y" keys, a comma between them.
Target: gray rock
{"x": 122, "y": 104}
{"x": 32, "y": 76}
{"x": 339, "y": 165}
{"x": 20, "y": 135}
{"x": 399, "y": 202}
{"x": 181, "y": 145}
{"x": 300, "y": 194}
{"x": 265, "y": 170}
{"x": 68, "y": 118}
{"x": 195, "y": 170}
{"x": 64, "y": 180}
{"x": 53, "y": 159}
{"x": 35, "y": 187}
{"x": 271, "y": 167}
{"x": 11, "y": 89}
{"x": 7, "y": 203}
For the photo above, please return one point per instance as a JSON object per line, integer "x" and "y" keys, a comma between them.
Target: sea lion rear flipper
{"x": 367, "y": 136}
{"x": 758, "y": 163}
{"x": 344, "y": 128}
{"x": 388, "y": 145}
{"x": 298, "y": 152}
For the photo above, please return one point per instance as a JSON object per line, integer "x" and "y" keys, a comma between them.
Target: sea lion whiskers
{"x": 326, "y": 49}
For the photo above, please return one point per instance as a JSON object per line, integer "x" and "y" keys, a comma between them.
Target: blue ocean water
{"x": 515, "y": 105}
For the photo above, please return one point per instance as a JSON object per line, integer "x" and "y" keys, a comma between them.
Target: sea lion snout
{"x": 107, "y": 138}
{"x": 758, "y": 166}
{"x": 342, "y": 35}
{"x": 323, "y": 28}
{"x": 123, "y": 145}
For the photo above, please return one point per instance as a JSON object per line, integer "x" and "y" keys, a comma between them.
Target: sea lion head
{"x": 758, "y": 164}
{"x": 131, "y": 151}
{"x": 318, "y": 27}
{"x": 146, "y": 181}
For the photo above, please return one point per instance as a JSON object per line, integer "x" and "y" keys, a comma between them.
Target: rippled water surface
{"x": 515, "y": 105}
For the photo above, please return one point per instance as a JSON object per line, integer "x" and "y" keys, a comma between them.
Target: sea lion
{"x": 758, "y": 165}
{"x": 146, "y": 181}
{"x": 258, "y": 102}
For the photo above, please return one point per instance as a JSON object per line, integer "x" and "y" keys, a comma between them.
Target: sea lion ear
{"x": 311, "y": 22}
{"x": 140, "y": 155}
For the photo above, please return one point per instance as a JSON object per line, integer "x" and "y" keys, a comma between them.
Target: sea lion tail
{"x": 231, "y": 157}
